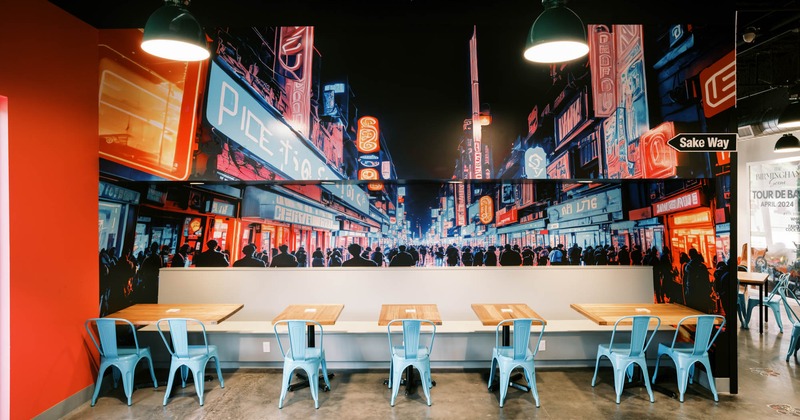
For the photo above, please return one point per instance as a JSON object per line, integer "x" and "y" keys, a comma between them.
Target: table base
{"x": 304, "y": 383}
{"x": 411, "y": 385}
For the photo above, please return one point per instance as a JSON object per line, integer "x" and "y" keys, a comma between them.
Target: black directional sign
{"x": 704, "y": 142}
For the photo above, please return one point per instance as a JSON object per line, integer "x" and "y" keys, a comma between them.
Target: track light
{"x": 173, "y": 33}
{"x": 557, "y": 35}
{"x": 787, "y": 144}
{"x": 749, "y": 35}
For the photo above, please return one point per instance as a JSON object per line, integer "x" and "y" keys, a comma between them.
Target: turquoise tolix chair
{"x": 124, "y": 359}
{"x": 625, "y": 355}
{"x": 188, "y": 357}
{"x": 410, "y": 353}
{"x": 300, "y": 356}
{"x": 785, "y": 292}
{"x": 685, "y": 355}
{"x": 773, "y": 301}
{"x": 507, "y": 358}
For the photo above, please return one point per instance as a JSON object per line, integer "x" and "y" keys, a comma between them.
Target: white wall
{"x": 266, "y": 292}
{"x": 757, "y": 149}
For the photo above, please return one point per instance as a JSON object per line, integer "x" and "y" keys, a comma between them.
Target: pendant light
{"x": 557, "y": 35}
{"x": 790, "y": 117}
{"x": 173, "y": 33}
{"x": 787, "y": 144}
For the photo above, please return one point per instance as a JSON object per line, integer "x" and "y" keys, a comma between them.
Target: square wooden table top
{"x": 325, "y": 314}
{"x": 491, "y": 314}
{"x": 749, "y": 277}
{"x": 150, "y": 313}
{"x": 609, "y": 313}
{"x": 409, "y": 311}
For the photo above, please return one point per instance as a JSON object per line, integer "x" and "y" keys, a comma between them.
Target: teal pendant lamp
{"x": 557, "y": 35}
{"x": 173, "y": 33}
{"x": 787, "y": 144}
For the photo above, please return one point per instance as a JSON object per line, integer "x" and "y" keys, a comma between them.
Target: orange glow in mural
{"x": 368, "y": 140}
{"x": 486, "y": 210}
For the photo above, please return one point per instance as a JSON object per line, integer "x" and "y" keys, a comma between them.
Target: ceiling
{"x": 768, "y": 69}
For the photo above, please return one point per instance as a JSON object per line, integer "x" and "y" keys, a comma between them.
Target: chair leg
{"x": 184, "y": 375}
{"x": 655, "y": 372}
{"x": 285, "y": 381}
{"x": 643, "y": 365}
{"x": 396, "y": 375}
{"x": 505, "y": 376}
{"x": 711, "y": 385}
{"x": 325, "y": 374}
{"x": 313, "y": 383}
{"x": 532, "y": 385}
{"x": 172, "y": 369}
{"x": 777, "y": 312}
{"x": 596, "y": 365}
{"x": 219, "y": 371}
{"x": 425, "y": 378}
{"x": 391, "y": 375}
{"x": 127, "y": 383}
{"x": 102, "y": 371}
{"x": 152, "y": 372}
{"x": 492, "y": 369}
{"x": 199, "y": 386}
{"x": 683, "y": 380}
{"x": 619, "y": 381}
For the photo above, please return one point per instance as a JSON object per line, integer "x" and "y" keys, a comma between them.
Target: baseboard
{"x": 70, "y": 403}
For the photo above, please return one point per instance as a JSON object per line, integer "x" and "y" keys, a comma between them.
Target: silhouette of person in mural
{"x": 211, "y": 257}
{"x": 510, "y": 257}
{"x": 148, "y": 275}
{"x": 697, "y": 284}
{"x": 378, "y": 256}
{"x": 284, "y": 258}
{"x": 357, "y": 260}
{"x": 179, "y": 259}
{"x": 302, "y": 257}
{"x": 318, "y": 258}
{"x": 249, "y": 260}
{"x": 402, "y": 259}
{"x": 489, "y": 257}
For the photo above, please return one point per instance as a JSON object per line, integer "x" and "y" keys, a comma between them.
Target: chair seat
{"x": 311, "y": 353}
{"x": 131, "y": 353}
{"x": 400, "y": 352}
{"x": 199, "y": 352}
{"x": 774, "y": 299}
{"x": 508, "y": 353}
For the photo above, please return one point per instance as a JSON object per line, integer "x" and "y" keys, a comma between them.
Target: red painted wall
{"x": 49, "y": 73}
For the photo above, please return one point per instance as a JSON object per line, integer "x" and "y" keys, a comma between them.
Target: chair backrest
{"x": 107, "y": 333}
{"x": 640, "y": 339}
{"x": 702, "y": 334}
{"x": 786, "y": 293}
{"x": 298, "y": 341}
{"x": 411, "y": 335}
{"x": 521, "y": 335}
{"x": 179, "y": 333}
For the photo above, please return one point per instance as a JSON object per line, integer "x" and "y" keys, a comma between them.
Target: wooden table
{"x": 391, "y": 312}
{"x": 609, "y": 313}
{"x": 749, "y": 278}
{"x": 491, "y": 314}
{"x": 325, "y": 314}
{"x": 409, "y": 311}
{"x": 142, "y": 314}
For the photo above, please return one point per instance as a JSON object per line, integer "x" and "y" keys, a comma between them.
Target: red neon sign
{"x": 602, "y": 61}
{"x": 674, "y": 204}
{"x": 368, "y": 174}
{"x": 659, "y": 159}
{"x": 719, "y": 85}
{"x": 368, "y": 138}
{"x": 506, "y": 217}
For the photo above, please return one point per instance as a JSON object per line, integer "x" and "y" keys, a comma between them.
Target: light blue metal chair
{"x": 507, "y": 358}
{"x": 626, "y": 355}
{"x": 300, "y": 355}
{"x": 740, "y": 303}
{"x": 410, "y": 353}
{"x": 186, "y": 356}
{"x": 772, "y": 301}
{"x": 685, "y": 355}
{"x": 124, "y": 359}
{"x": 785, "y": 292}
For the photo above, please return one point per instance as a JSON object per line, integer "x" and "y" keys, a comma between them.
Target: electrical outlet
{"x": 265, "y": 345}
{"x": 542, "y": 346}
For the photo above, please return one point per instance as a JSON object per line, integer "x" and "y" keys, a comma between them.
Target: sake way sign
{"x": 704, "y": 142}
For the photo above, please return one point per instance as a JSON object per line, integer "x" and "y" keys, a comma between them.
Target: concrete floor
{"x": 769, "y": 387}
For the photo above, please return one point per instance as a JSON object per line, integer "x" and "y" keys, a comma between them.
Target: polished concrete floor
{"x": 769, "y": 387}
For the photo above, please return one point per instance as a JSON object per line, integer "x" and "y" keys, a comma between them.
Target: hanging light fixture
{"x": 173, "y": 33}
{"x": 790, "y": 117}
{"x": 557, "y": 35}
{"x": 787, "y": 144}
